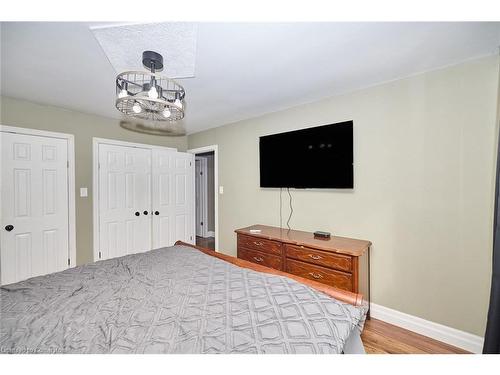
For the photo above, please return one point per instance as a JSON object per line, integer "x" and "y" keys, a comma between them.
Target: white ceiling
{"x": 242, "y": 70}
{"x": 176, "y": 41}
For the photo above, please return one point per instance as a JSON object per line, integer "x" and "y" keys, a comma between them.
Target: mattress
{"x": 172, "y": 300}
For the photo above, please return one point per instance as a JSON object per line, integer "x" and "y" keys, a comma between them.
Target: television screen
{"x": 319, "y": 157}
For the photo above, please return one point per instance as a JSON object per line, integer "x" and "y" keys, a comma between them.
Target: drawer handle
{"x": 258, "y": 259}
{"x": 315, "y": 257}
{"x": 258, "y": 243}
{"x": 316, "y": 275}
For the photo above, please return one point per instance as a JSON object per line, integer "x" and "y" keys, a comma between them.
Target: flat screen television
{"x": 315, "y": 158}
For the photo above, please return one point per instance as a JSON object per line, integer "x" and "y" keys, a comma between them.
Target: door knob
{"x": 137, "y": 213}
{"x": 9, "y": 227}
{"x": 145, "y": 212}
{"x": 157, "y": 212}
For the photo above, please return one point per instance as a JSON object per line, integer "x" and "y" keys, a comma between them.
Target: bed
{"x": 179, "y": 299}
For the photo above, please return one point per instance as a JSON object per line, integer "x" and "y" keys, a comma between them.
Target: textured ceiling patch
{"x": 176, "y": 42}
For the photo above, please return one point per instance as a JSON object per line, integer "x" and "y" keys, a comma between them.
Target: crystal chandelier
{"x": 147, "y": 95}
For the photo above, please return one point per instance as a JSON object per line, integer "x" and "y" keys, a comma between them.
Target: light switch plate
{"x": 83, "y": 192}
{"x": 221, "y": 189}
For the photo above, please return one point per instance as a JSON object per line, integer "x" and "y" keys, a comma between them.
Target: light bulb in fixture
{"x": 123, "y": 93}
{"x": 137, "y": 108}
{"x": 166, "y": 112}
{"x": 153, "y": 93}
{"x": 178, "y": 103}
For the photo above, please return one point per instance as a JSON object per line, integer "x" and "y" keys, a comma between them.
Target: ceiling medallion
{"x": 147, "y": 95}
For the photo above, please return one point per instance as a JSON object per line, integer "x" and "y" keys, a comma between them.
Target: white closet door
{"x": 183, "y": 225}
{"x": 124, "y": 200}
{"x": 173, "y": 197}
{"x": 34, "y": 232}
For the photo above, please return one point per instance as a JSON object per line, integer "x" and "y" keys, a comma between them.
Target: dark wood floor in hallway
{"x": 207, "y": 243}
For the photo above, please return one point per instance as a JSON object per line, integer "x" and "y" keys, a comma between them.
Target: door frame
{"x": 96, "y": 141}
{"x": 201, "y": 150}
{"x": 70, "y": 139}
{"x": 204, "y": 194}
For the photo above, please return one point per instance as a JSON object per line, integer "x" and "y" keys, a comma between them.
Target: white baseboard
{"x": 210, "y": 233}
{"x": 452, "y": 336}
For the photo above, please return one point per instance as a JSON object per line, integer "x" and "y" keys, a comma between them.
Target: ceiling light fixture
{"x": 147, "y": 95}
{"x": 123, "y": 93}
{"x": 136, "y": 108}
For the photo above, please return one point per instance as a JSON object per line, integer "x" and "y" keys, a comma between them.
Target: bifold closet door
{"x": 124, "y": 200}
{"x": 35, "y": 221}
{"x": 173, "y": 197}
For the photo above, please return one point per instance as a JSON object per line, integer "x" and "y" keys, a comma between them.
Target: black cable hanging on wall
{"x": 281, "y": 210}
{"x": 291, "y": 209}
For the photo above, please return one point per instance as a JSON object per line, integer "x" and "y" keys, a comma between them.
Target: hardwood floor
{"x": 383, "y": 338}
{"x": 207, "y": 243}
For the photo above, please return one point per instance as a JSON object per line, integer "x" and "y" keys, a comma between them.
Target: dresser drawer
{"x": 261, "y": 244}
{"x": 323, "y": 275}
{"x": 321, "y": 258}
{"x": 268, "y": 260}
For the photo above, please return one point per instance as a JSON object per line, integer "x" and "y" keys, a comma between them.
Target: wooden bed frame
{"x": 339, "y": 294}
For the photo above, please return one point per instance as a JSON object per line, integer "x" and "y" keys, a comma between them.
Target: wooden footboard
{"x": 341, "y": 295}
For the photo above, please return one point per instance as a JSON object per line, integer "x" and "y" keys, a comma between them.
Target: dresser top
{"x": 336, "y": 244}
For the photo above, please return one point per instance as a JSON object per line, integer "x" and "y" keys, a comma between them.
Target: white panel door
{"x": 198, "y": 197}
{"x": 35, "y": 221}
{"x": 124, "y": 200}
{"x": 201, "y": 196}
{"x": 173, "y": 197}
{"x": 183, "y": 173}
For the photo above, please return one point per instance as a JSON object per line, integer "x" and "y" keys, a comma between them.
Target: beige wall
{"x": 424, "y": 153}
{"x": 83, "y": 127}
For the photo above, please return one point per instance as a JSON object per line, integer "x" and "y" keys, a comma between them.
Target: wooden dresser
{"x": 338, "y": 261}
